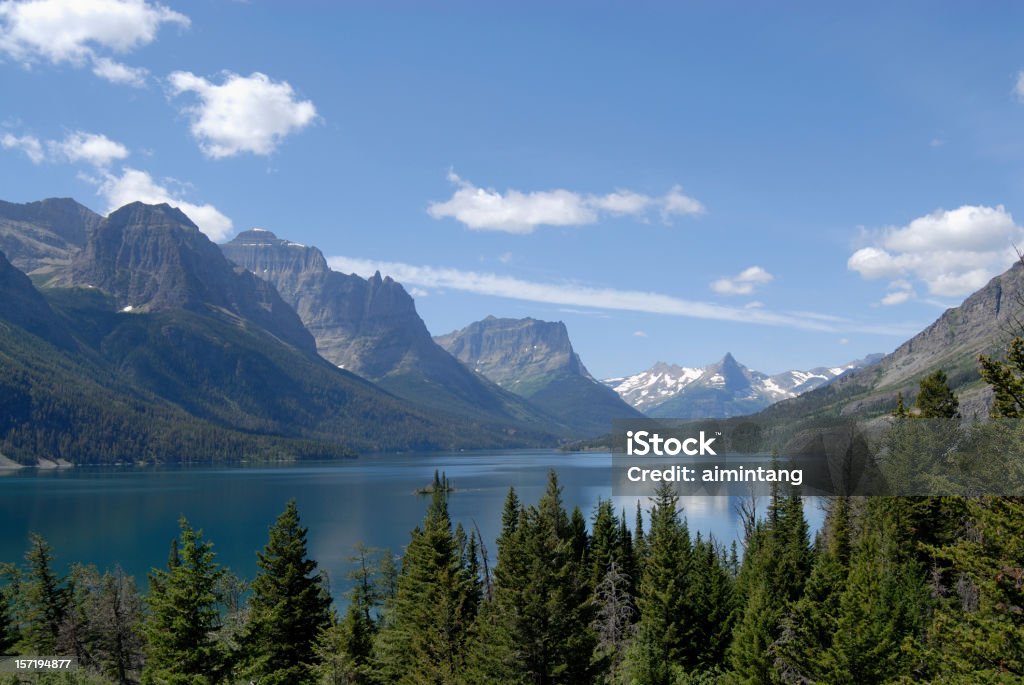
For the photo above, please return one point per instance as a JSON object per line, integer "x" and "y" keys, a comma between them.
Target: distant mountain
{"x": 42, "y": 236}
{"x": 370, "y": 327}
{"x": 536, "y": 360}
{"x": 724, "y": 389}
{"x": 159, "y": 349}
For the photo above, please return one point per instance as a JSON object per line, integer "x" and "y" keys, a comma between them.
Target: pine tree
{"x": 810, "y": 628}
{"x": 8, "y": 627}
{"x": 934, "y": 399}
{"x": 900, "y": 412}
{"x": 42, "y": 599}
{"x": 425, "y": 635}
{"x": 345, "y": 649}
{"x": 977, "y": 632}
{"x": 288, "y": 609}
{"x": 1007, "y": 381}
{"x": 537, "y": 629}
{"x": 181, "y": 643}
{"x": 665, "y": 632}
{"x": 882, "y": 602}
{"x": 771, "y": 579}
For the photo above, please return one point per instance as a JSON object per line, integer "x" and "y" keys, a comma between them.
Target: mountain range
{"x": 135, "y": 338}
{"x": 371, "y": 328}
{"x": 723, "y": 389}
{"x": 150, "y": 345}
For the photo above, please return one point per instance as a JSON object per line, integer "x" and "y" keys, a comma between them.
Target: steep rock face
{"x": 748, "y": 390}
{"x": 42, "y": 236}
{"x": 370, "y": 327}
{"x": 24, "y": 307}
{"x": 367, "y": 326}
{"x": 514, "y": 353}
{"x": 153, "y": 258}
{"x": 535, "y": 359}
{"x": 983, "y": 324}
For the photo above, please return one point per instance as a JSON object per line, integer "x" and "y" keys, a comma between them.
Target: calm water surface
{"x": 128, "y": 516}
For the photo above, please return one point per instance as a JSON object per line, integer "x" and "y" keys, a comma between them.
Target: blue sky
{"x": 799, "y": 187}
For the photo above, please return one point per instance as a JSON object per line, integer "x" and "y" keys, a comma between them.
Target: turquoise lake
{"x": 128, "y": 515}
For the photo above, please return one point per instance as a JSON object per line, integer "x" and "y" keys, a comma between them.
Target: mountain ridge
{"x": 669, "y": 390}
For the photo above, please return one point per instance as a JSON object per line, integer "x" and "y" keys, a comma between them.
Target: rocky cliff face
{"x": 515, "y": 353}
{"x": 24, "y": 307}
{"x": 370, "y": 327}
{"x": 42, "y": 236}
{"x": 153, "y": 258}
{"x": 983, "y": 324}
{"x": 535, "y": 359}
{"x": 367, "y": 326}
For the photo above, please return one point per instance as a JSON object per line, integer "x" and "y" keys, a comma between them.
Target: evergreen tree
{"x": 424, "y": 638}
{"x": 881, "y": 606}
{"x": 977, "y": 631}
{"x": 809, "y": 629}
{"x": 289, "y": 607}
{"x": 934, "y": 398}
{"x": 538, "y": 627}
{"x": 345, "y": 649}
{"x": 42, "y": 600}
{"x": 1007, "y": 381}
{"x": 771, "y": 579}
{"x": 665, "y": 632}
{"x": 900, "y": 412}
{"x": 8, "y": 626}
{"x": 181, "y": 641}
{"x": 711, "y": 588}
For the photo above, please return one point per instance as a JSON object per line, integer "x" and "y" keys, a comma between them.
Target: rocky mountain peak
{"x": 153, "y": 257}
{"x": 43, "y": 235}
{"x": 508, "y": 351}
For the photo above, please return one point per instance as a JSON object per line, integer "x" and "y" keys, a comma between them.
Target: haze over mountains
{"x": 723, "y": 389}
{"x": 137, "y": 338}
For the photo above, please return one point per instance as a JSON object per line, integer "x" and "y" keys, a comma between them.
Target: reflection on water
{"x": 128, "y": 516}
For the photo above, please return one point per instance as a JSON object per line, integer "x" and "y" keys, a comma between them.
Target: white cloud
{"x": 675, "y": 203}
{"x": 954, "y": 252}
{"x": 94, "y": 148}
{"x": 1019, "y": 87}
{"x": 30, "y": 145}
{"x": 243, "y": 113}
{"x": 897, "y": 297}
{"x": 138, "y": 186}
{"x": 419, "y": 292}
{"x": 77, "y": 32}
{"x": 77, "y": 146}
{"x": 514, "y": 211}
{"x": 743, "y": 284}
{"x": 115, "y": 72}
{"x": 754, "y": 304}
{"x": 900, "y": 291}
{"x": 640, "y": 334}
{"x": 574, "y": 294}
{"x": 844, "y": 341}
